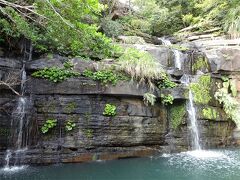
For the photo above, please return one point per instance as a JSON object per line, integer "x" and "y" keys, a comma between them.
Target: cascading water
{"x": 193, "y": 124}
{"x": 193, "y": 120}
{"x": 192, "y": 116}
{"x": 20, "y": 112}
{"x": 177, "y": 54}
{"x": 7, "y": 159}
{"x": 19, "y": 123}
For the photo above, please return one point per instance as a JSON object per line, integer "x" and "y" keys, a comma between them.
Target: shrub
{"x": 110, "y": 110}
{"x": 141, "y": 66}
{"x": 149, "y": 98}
{"x": 111, "y": 28}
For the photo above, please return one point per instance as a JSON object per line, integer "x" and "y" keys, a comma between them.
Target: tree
{"x": 68, "y": 27}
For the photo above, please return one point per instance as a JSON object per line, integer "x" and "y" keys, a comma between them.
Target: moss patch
{"x": 177, "y": 113}
{"x": 200, "y": 63}
{"x": 4, "y": 132}
{"x": 210, "y": 113}
{"x": 201, "y": 90}
{"x": 70, "y": 107}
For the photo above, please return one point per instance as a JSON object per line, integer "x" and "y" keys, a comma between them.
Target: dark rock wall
{"x": 136, "y": 130}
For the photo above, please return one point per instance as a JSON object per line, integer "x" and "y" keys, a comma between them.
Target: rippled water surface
{"x": 194, "y": 165}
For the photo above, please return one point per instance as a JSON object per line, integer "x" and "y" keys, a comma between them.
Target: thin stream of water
{"x": 18, "y": 120}
{"x": 194, "y": 130}
{"x": 177, "y": 54}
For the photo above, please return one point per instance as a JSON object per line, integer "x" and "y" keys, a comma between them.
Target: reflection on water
{"x": 193, "y": 165}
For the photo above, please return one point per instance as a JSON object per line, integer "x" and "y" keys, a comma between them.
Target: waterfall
{"x": 192, "y": 116}
{"x": 19, "y": 121}
{"x": 193, "y": 120}
{"x": 177, "y": 54}
{"x": 7, "y": 159}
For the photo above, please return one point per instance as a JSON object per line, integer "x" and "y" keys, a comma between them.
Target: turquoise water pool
{"x": 195, "y": 165}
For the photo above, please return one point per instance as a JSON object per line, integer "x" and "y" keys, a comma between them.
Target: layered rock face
{"x": 136, "y": 130}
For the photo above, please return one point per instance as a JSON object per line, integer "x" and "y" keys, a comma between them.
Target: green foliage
{"x": 134, "y": 25}
{"x": 177, "y": 113}
{"x": 68, "y": 65}
{"x": 166, "y": 83}
{"x": 110, "y": 110}
{"x": 166, "y": 22}
{"x": 18, "y": 27}
{"x": 68, "y": 27}
{"x": 164, "y": 17}
{"x": 111, "y": 28}
{"x": 105, "y": 76}
{"x": 5, "y": 132}
{"x": 49, "y": 124}
{"x": 141, "y": 66}
{"x": 200, "y": 63}
{"x": 167, "y": 99}
{"x": 149, "y": 98}
{"x": 222, "y": 13}
{"x": 230, "y": 104}
{"x": 55, "y": 74}
{"x": 232, "y": 22}
{"x": 201, "y": 89}
{"x": 70, "y": 107}
{"x": 210, "y": 113}
{"x": 88, "y": 133}
{"x": 69, "y": 126}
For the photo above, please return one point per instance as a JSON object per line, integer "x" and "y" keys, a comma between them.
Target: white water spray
{"x": 7, "y": 159}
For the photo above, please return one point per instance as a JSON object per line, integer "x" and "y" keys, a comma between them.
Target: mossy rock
{"x": 4, "y": 132}
{"x": 176, "y": 115}
{"x": 200, "y": 63}
{"x": 210, "y": 113}
{"x": 201, "y": 90}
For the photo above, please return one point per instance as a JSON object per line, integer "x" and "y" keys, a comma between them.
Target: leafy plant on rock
{"x": 167, "y": 99}
{"x": 56, "y": 74}
{"x": 110, "y": 110}
{"x": 230, "y": 103}
{"x": 69, "y": 125}
{"x": 105, "y": 76}
{"x": 149, "y": 98}
{"x": 49, "y": 124}
{"x": 165, "y": 82}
